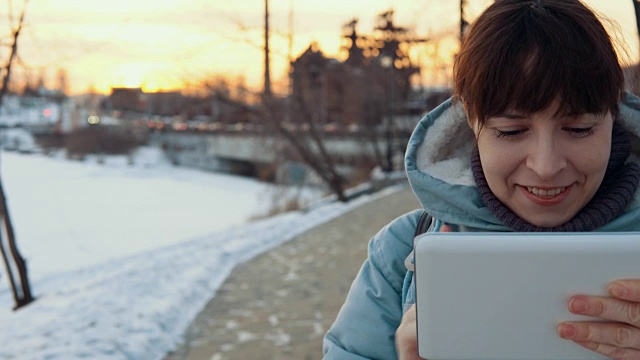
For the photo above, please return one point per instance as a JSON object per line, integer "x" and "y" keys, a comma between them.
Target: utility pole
{"x": 289, "y": 64}
{"x": 267, "y": 73}
{"x": 635, "y": 82}
{"x": 290, "y": 34}
{"x": 463, "y": 22}
{"x": 636, "y": 6}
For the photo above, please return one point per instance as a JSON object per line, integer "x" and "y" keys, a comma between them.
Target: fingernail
{"x": 578, "y": 305}
{"x": 566, "y": 331}
{"x": 617, "y": 290}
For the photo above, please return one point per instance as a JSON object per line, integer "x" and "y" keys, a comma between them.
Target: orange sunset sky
{"x": 161, "y": 44}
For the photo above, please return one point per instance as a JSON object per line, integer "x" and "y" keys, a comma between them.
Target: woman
{"x": 536, "y": 138}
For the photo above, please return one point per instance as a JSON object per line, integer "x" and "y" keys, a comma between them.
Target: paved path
{"x": 279, "y": 304}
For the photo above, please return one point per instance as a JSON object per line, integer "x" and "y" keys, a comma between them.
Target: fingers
{"x": 610, "y": 351}
{"x": 614, "y": 334}
{"x": 619, "y": 338}
{"x": 628, "y": 290}
{"x": 410, "y": 315}
{"x": 407, "y": 336}
{"x": 606, "y": 308}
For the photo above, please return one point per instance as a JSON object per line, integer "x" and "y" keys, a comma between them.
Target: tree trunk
{"x": 22, "y": 296}
{"x": 7, "y": 265}
{"x": 25, "y": 297}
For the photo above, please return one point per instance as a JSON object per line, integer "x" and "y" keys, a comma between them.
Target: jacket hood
{"x": 438, "y": 165}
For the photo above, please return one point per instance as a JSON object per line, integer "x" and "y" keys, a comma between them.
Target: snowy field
{"x": 123, "y": 257}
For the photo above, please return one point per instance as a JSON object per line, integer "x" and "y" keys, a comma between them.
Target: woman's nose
{"x": 546, "y": 159}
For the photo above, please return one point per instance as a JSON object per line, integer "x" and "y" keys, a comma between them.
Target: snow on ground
{"x": 122, "y": 258}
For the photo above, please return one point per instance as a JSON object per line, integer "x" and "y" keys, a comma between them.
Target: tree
{"x": 22, "y": 294}
{"x": 304, "y": 140}
{"x": 63, "y": 83}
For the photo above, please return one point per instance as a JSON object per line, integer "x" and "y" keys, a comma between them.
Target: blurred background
{"x": 97, "y": 78}
{"x": 212, "y": 83}
{"x": 128, "y": 127}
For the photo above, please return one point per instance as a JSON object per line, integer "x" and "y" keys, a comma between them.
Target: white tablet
{"x": 501, "y": 295}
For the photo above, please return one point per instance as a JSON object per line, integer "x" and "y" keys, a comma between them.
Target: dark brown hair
{"x": 523, "y": 54}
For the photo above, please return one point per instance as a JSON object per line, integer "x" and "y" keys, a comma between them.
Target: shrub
{"x": 99, "y": 139}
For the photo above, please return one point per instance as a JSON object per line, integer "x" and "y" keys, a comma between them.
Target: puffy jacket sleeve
{"x": 366, "y": 324}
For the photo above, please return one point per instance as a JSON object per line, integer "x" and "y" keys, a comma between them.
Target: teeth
{"x": 542, "y": 192}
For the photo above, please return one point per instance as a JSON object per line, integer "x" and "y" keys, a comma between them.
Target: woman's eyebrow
{"x": 514, "y": 116}
{"x": 588, "y": 117}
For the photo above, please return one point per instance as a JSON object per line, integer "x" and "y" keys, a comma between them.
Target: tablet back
{"x": 501, "y": 295}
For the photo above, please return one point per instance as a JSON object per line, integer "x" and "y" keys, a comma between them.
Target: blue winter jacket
{"x": 437, "y": 164}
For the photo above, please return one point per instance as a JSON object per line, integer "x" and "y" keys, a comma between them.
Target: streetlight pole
{"x": 387, "y": 63}
{"x": 390, "y": 124}
{"x": 267, "y": 63}
{"x": 463, "y": 21}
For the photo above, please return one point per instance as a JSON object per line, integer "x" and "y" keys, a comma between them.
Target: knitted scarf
{"x": 615, "y": 193}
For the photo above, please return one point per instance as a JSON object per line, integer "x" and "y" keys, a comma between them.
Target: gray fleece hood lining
{"x": 446, "y": 149}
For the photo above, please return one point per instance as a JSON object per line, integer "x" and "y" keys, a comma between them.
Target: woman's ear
{"x": 472, "y": 121}
{"x": 474, "y": 125}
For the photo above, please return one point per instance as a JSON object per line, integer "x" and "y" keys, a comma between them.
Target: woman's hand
{"x": 407, "y": 332}
{"x": 617, "y": 338}
{"x": 407, "y": 336}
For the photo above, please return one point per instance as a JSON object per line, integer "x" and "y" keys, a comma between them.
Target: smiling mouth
{"x": 546, "y": 193}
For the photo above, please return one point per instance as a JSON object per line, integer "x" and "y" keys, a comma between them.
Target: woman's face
{"x": 545, "y": 168}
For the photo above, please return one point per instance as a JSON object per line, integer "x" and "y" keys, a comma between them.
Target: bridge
{"x": 251, "y": 153}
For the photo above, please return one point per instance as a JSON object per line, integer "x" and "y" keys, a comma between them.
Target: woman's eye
{"x": 509, "y": 133}
{"x": 580, "y": 132}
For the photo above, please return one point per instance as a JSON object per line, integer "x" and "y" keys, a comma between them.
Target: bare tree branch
{"x": 316, "y": 157}
{"x": 315, "y": 134}
{"x": 12, "y": 54}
